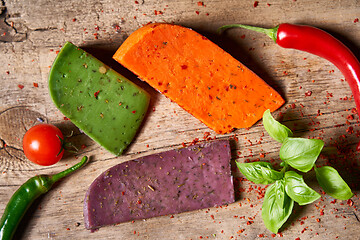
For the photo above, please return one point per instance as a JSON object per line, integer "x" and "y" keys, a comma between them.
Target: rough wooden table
{"x": 32, "y": 32}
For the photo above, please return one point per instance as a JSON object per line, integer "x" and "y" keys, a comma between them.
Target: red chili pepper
{"x": 316, "y": 41}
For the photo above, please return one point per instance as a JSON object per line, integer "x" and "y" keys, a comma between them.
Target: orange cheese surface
{"x": 198, "y": 75}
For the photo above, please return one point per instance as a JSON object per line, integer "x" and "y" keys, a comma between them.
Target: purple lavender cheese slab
{"x": 171, "y": 182}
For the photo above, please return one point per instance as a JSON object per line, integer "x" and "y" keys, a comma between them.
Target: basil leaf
{"x": 275, "y": 214}
{"x": 301, "y": 153}
{"x": 332, "y": 183}
{"x": 259, "y": 172}
{"x": 297, "y": 189}
{"x": 275, "y": 129}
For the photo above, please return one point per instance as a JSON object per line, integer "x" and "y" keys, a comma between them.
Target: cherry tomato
{"x": 42, "y": 144}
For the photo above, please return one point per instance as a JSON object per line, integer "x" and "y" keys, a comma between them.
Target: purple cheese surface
{"x": 170, "y": 182}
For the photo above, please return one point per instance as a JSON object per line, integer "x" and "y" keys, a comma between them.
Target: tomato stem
{"x": 66, "y": 145}
{"x": 62, "y": 141}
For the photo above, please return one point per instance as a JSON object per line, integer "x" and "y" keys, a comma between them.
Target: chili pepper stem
{"x": 66, "y": 172}
{"x": 271, "y": 32}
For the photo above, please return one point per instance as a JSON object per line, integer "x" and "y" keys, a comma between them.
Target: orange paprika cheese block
{"x": 198, "y": 75}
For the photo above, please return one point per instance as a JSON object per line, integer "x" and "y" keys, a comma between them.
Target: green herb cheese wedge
{"x": 103, "y": 104}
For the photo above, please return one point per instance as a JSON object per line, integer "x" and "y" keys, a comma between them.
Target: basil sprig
{"x": 288, "y": 186}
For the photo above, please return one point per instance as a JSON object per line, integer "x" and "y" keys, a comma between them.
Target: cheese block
{"x": 165, "y": 183}
{"x": 102, "y": 103}
{"x": 198, "y": 75}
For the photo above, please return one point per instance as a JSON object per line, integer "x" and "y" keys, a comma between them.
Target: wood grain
{"x": 31, "y": 33}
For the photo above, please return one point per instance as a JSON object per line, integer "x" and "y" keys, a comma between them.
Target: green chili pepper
{"x": 27, "y": 193}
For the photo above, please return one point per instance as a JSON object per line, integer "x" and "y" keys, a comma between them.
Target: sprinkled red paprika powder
{"x": 96, "y": 94}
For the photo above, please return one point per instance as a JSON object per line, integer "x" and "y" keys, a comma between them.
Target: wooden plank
{"x": 35, "y": 31}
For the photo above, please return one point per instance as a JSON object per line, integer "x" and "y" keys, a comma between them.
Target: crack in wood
{"x": 3, "y": 146}
{"x": 356, "y": 216}
{"x": 13, "y": 156}
{"x": 15, "y": 107}
{"x": 44, "y": 29}
{"x": 2, "y": 7}
{"x": 8, "y": 31}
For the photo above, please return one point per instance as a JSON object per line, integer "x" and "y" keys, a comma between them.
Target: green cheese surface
{"x": 102, "y": 103}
